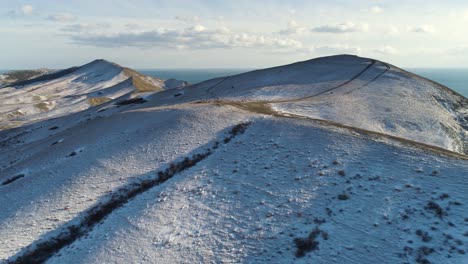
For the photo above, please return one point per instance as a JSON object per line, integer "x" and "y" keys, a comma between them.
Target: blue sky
{"x": 230, "y": 34}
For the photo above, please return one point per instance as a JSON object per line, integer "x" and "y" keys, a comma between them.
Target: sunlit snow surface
{"x": 374, "y": 198}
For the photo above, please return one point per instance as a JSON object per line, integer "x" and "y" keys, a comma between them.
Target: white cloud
{"x": 457, "y": 51}
{"x": 193, "y": 37}
{"x": 62, "y": 17}
{"x": 376, "y": 10}
{"x": 198, "y": 28}
{"x": 346, "y": 27}
{"x": 132, "y": 26}
{"x": 337, "y": 49}
{"x": 428, "y": 29}
{"x": 188, "y": 19}
{"x": 85, "y": 28}
{"x": 293, "y": 29}
{"x": 27, "y": 10}
{"x": 393, "y": 30}
{"x": 386, "y": 50}
{"x": 453, "y": 51}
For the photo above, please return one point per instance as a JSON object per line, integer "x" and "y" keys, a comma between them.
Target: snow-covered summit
{"x": 99, "y": 67}
{"x": 350, "y": 90}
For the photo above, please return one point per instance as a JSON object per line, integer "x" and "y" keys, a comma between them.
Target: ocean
{"x": 456, "y": 79}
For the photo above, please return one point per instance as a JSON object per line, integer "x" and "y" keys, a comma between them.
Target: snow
{"x": 67, "y": 94}
{"x": 389, "y": 107}
{"x": 80, "y": 179}
{"x": 173, "y": 83}
{"x": 358, "y": 92}
{"x": 249, "y": 205}
{"x": 305, "y": 164}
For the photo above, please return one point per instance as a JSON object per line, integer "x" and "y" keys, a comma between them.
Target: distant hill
{"x": 21, "y": 75}
{"x": 32, "y": 96}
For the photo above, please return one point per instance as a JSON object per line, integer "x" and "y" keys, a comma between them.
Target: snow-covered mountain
{"x": 349, "y": 90}
{"x": 309, "y": 162}
{"x": 71, "y": 90}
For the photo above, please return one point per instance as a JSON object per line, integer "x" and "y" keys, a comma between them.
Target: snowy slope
{"x": 214, "y": 174}
{"x": 71, "y": 90}
{"x": 251, "y": 199}
{"x": 355, "y": 91}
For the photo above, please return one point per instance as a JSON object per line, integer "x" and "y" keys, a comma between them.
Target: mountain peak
{"x": 100, "y": 64}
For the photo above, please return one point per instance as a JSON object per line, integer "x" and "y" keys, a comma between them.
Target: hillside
{"x": 301, "y": 163}
{"x": 358, "y": 92}
{"x": 20, "y": 76}
{"x": 71, "y": 90}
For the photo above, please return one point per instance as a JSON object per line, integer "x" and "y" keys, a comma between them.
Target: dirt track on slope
{"x": 373, "y": 62}
{"x": 265, "y": 109}
{"x": 44, "y": 248}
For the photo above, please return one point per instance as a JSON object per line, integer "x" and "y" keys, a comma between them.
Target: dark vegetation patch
{"x": 12, "y": 179}
{"x": 435, "y": 208}
{"x": 236, "y": 130}
{"x": 422, "y": 253}
{"x": 73, "y": 153}
{"x": 309, "y": 243}
{"x": 40, "y": 251}
{"x": 21, "y": 75}
{"x": 343, "y": 196}
{"x": 444, "y": 196}
{"x": 137, "y": 100}
{"x": 375, "y": 178}
{"x": 425, "y": 237}
{"x": 45, "y": 77}
{"x": 454, "y": 203}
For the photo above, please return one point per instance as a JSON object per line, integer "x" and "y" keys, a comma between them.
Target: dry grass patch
{"x": 144, "y": 86}
{"x": 139, "y": 82}
{"x": 14, "y": 114}
{"x": 94, "y": 101}
{"x": 43, "y": 106}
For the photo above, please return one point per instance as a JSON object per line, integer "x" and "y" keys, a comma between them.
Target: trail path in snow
{"x": 372, "y": 63}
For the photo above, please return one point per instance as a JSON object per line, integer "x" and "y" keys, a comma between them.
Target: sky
{"x": 231, "y": 34}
